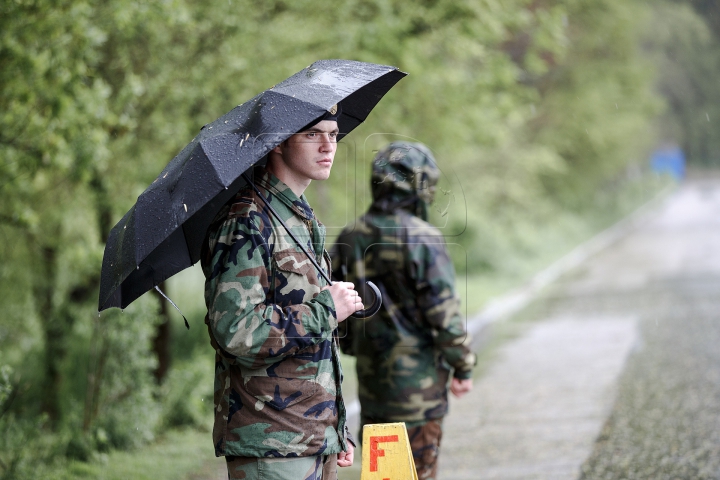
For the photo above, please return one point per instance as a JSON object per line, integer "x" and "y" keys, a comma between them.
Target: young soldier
{"x": 272, "y": 319}
{"x": 408, "y": 350}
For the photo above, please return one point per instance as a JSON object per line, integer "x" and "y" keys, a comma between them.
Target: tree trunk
{"x": 54, "y": 335}
{"x": 161, "y": 342}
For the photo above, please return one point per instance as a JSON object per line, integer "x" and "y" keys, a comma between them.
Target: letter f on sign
{"x": 390, "y": 441}
{"x": 375, "y": 452}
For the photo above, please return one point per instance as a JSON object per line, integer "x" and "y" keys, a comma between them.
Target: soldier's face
{"x": 309, "y": 155}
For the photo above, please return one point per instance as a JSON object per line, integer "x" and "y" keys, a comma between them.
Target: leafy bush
{"x": 188, "y": 393}
{"x": 124, "y": 408}
{"x": 25, "y": 450}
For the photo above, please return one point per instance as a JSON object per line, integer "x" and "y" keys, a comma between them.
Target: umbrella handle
{"x": 373, "y": 309}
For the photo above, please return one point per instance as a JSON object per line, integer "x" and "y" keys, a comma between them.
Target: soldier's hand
{"x": 345, "y": 459}
{"x": 347, "y": 300}
{"x": 460, "y": 387}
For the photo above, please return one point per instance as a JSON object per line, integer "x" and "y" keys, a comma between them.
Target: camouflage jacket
{"x": 407, "y": 351}
{"x": 277, "y": 371}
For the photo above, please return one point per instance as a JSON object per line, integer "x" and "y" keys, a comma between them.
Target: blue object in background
{"x": 670, "y": 160}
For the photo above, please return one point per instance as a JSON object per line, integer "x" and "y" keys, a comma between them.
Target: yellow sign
{"x": 386, "y": 453}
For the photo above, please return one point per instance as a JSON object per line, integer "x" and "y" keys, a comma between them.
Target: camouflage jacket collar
{"x": 276, "y": 189}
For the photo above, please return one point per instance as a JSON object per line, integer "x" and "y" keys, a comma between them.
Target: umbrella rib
{"x": 187, "y": 325}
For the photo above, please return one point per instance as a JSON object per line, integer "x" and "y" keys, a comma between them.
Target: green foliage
{"x": 23, "y": 453}
{"x": 114, "y": 407}
{"x": 188, "y": 393}
{"x": 122, "y": 410}
{"x": 686, "y": 48}
{"x": 20, "y": 445}
{"x": 6, "y": 387}
{"x": 597, "y": 104}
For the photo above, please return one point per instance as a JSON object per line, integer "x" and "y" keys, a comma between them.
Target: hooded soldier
{"x": 416, "y": 347}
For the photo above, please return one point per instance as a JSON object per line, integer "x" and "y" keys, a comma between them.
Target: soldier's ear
{"x": 279, "y": 149}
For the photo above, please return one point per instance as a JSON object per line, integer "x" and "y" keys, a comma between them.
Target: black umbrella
{"x": 163, "y": 232}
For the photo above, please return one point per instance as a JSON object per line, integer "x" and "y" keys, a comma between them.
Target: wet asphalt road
{"x": 613, "y": 372}
{"x": 665, "y": 423}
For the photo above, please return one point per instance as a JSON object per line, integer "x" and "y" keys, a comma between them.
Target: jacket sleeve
{"x": 249, "y": 329}
{"x": 434, "y": 276}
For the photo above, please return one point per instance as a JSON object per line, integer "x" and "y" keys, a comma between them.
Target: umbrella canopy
{"x": 163, "y": 232}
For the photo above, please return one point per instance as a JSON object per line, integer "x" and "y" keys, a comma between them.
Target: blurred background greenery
{"x": 542, "y": 115}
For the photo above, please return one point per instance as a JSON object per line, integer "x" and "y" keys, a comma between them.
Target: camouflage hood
{"x": 404, "y": 176}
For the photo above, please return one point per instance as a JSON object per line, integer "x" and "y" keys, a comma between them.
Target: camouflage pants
{"x": 425, "y": 445}
{"x": 295, "y": 468}
{"x": 424, "y": 442}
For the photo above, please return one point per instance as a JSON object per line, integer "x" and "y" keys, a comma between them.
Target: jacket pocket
{"x": 281, "y": 393}
{"x": 296, "y": 279}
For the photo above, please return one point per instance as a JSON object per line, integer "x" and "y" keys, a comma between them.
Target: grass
{"x": 180, "y": 454}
